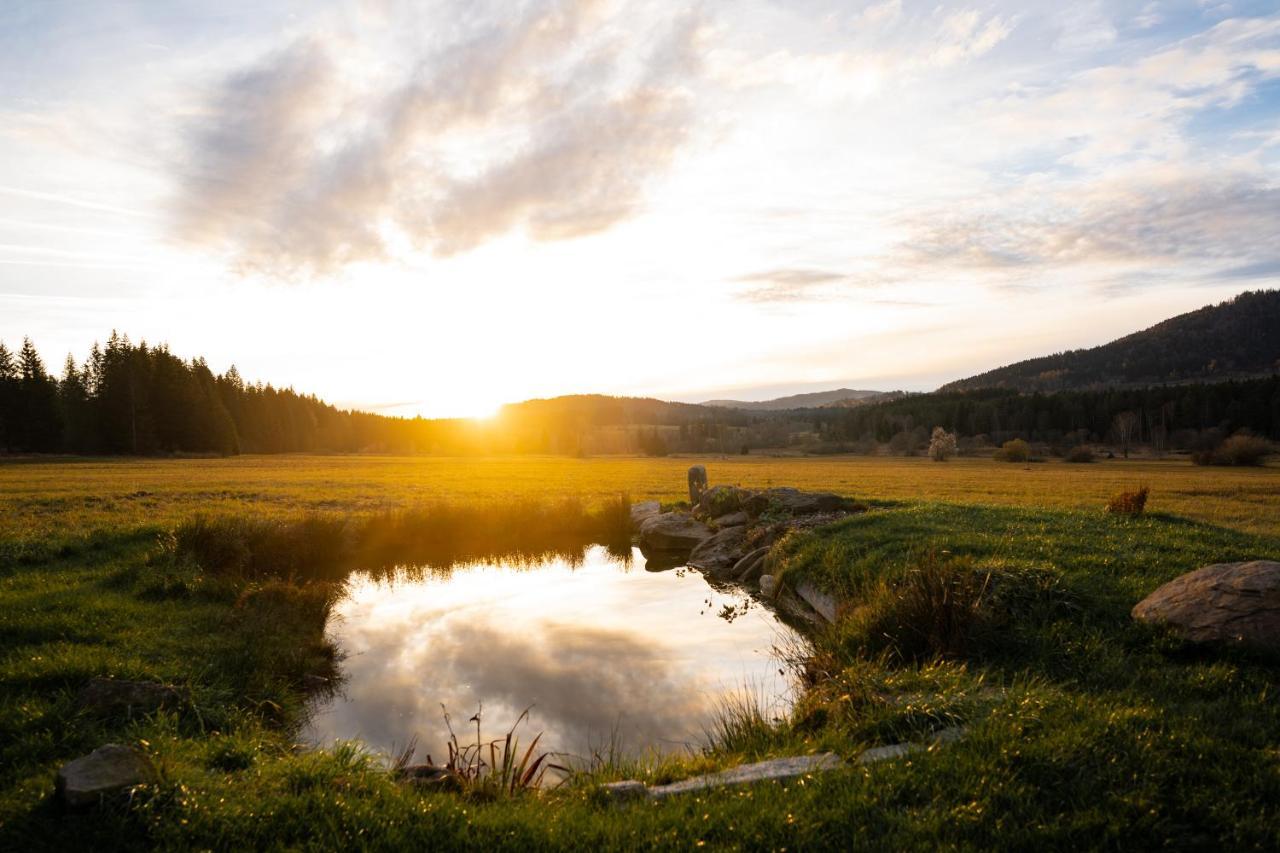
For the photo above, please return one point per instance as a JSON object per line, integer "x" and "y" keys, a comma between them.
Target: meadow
{"x": 1082, "y": 729}
{"x": 66, "y": 499}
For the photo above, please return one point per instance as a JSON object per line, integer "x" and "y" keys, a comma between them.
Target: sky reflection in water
{"x": 596, "y": 649}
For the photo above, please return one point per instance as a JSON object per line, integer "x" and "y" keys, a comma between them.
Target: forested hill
{"x": 1237, "y": 339}
{"x": 128, "y": 398}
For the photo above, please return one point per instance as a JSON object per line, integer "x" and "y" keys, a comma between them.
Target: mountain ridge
{"x": 811, "y": 400}
{"x": 1235, "y": 339}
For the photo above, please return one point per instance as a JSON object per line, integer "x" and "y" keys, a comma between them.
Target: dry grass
{"x": 59, "y": 499}
{"x": 1131, "y": 502}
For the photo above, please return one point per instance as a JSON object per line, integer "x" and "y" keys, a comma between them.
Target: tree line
{"x": 127, "y": 398}
{"x": 1167, "y": 416}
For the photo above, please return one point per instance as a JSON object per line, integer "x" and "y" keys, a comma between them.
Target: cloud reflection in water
{"x": 595, "y": 649}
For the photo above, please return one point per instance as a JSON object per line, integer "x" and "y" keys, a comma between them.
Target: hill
{"x": 1237, "y": 339}
{"x": 814, "y": 400}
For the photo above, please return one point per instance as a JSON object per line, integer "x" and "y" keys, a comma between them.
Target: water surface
{"x": 603, "y": 650}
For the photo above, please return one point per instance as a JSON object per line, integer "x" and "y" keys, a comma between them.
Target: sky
{"x": 436, "y": 207}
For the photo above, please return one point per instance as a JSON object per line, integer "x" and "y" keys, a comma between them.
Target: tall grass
{"x": 326, "y": 547}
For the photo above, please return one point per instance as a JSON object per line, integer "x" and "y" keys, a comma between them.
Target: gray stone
{"x": 777, "y": 770}
{"x": 796, "y": 502}
{"x": 642, "y": 511}
{"x": 884, "y": 753}
{"x": 431, "y": 776}
{"x": 768, "y": 586}
{"x": 108, "y": 770}
{"x": 697, "y": 483}
{"x": 820, "y": 601}
{"x": 118, "y": 697}
{"x": 1225, "y": 602}
{"x": 751, "y": 566}
{"x": 719, "y": 554}
{"x": 733, "y": 519}
{"x": 630, "y": 789}
{"x": 898, "y": 750}
{"x": 673, "y": 531}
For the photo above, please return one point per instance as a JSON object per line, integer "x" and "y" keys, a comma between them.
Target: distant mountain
{"x": 1236, "y": 339}
{"x": 815, "y": 400}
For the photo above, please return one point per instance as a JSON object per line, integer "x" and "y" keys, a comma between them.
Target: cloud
{"x": 552, "y": 120}
{"x": 1196, "y": 222}
{"x": 787, "y": 285}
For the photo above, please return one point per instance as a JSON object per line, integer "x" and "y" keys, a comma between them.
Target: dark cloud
{"x": 547, "y": 120}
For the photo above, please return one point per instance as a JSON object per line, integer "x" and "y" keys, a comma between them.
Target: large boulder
{"x": 1225, "y": 602}
{"x": 719, "y": 554}
{"x": 673, "y": 531}
{"x": 106, "y": 771}
{"x": 643, "y": 511}
{"x": 795, "y": 502}
{"x": 118, "y": 697}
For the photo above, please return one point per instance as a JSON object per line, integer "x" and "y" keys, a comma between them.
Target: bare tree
{"x": 1126, "y": 424}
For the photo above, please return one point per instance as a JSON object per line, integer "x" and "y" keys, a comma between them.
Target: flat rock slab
{"x": 116, "y": 696}
{"x": 673, "y": 531}
{"x": 1225, "y": 602}
{"x": 824, "y": 604}
{"x": 106, "y": 771}
{"x": 777, "y": 770}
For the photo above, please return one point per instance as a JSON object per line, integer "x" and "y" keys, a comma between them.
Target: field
{"x": 64, "y": 499}
{"x": 1082, "y": 729}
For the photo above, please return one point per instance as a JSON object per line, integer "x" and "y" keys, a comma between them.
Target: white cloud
{"x": 546, "y": 121}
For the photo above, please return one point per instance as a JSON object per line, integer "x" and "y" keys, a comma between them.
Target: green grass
{"x": 1083, "y": 730}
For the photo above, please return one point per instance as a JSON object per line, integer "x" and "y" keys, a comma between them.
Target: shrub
{"x": 1240, "y": 449}
{"x": 1079, "y": 454}
{"x": 931, "y": 612}
{"x": 942, "y": 446}
{"x": 1129, "y": 503}
{"x": 1016, "y": 450}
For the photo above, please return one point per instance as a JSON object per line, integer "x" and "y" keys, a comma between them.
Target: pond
{"x": 603, "y": 650}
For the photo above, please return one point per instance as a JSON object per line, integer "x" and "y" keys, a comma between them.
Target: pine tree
{"x": 39, "y": 421}
{"x": 8, "y": 398}
{"x": 74, "y": 396}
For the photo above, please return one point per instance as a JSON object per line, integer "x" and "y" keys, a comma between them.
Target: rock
{"x": 1225, "y": 602}
{"x": 820, "y": 601}
{"x": 720, "y": 553}
{"x": 796, "y": 502}
{"x": 751, "y": 566}
{"x": 642, "y": 511}
{"x": 777, "y": 770}
{"x": 721, "y": 500}
{"x": 673, "y": 531}
{"x": 697, "y": 483}
{"x": 630, "y": 789}
{"x": 733, "y": 519}
{"x": 768, "y": 586}
{"x": 898, "y": 750}
{"x": 884, "y": 753}
{"x": 431, "y": 776}
{"x": 107, "y": 770}
{"x": 118, "y": 697}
